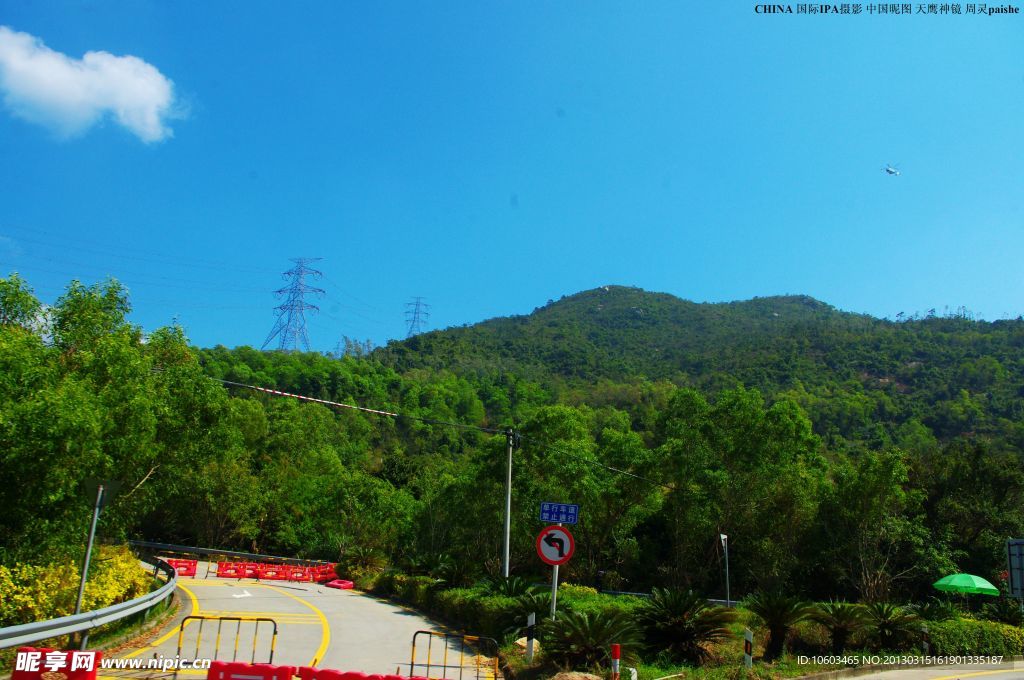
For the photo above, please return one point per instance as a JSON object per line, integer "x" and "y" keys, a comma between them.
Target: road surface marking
{"x": 971, "y": 675}
{"x": 325, "y": 639}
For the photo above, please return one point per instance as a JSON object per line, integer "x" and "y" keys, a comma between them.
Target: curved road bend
{"x": 316, "y": 626}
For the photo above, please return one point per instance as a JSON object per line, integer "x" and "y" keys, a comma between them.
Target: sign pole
{"x": 748, "y": 647}
{"x": 88, "y": 554}
{"x": 554, "y": 589}
{"x": 531, "y": 628}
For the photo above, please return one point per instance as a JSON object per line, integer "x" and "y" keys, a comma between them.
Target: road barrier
{"x": 340, "y": 584}
{"x": 230, "y": 570}
{"x": 183, "y": 567}
{"x": 224, "y": 670}
{"x": 300, "y": 574}
{"x": 481, "y": 667}
{"x": 220, "y": 620}
{"x": 272, "y": 572}
{"x": 215, "y": 552}
{"x": 267, "y": 571}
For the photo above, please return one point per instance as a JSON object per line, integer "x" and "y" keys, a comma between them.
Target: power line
{"x": 362, "y": 409}
{"x": 417, "y": 313}
{"x": 119, "y": 251}
{"x": 602, "y": 465}
{"x": 290, "y": 328}
{"x": 432, "y": 421}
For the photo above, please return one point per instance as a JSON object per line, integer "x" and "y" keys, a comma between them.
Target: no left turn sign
{"x": 555, "y": 545}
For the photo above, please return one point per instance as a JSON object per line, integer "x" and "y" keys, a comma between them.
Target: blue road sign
{"x": 560, "y": 513}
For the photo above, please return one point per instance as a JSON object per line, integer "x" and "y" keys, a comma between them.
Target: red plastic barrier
{"x": 231, "y": 670}
{"x": 340, "y": 584}
{"x": 30, "y": 663}
{"x": 229, "y": 569}
{"x": 307, "y": 673}
{"x": 300, "y": 574}
{"x": 183, "y": 567}
{"x": 250, "y": 569}
{"x": 272, "y": 572}
{"x": 325, "y": 572}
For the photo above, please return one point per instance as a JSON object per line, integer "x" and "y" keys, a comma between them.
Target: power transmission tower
{"x": 290, "y": 327}
{"x": 416, "y": 314}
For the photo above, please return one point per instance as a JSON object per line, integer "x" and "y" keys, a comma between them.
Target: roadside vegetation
{"x": 849, "y": 459}
{"x": 675, "y": 631}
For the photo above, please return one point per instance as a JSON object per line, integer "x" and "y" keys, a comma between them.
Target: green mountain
{"x": 616, "y": 332}
{"x": 850, "y": 371}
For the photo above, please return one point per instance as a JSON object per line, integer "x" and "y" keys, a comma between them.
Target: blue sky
{"x": 489, "y": 156}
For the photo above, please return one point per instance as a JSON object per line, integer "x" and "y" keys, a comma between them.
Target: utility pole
{"x": 416, "y": 314}
{"x": 512, "y": 441}
{"x": 290, "y": 328}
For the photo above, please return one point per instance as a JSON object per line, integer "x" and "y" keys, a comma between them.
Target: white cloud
{"x": 70, "y": 95}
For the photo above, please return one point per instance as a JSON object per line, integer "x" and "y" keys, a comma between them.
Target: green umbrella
{"x": 966, "y": 583}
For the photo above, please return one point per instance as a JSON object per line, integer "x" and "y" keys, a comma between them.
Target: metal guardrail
{"x": 13, "y": 636}
{"x": 192, "y": 550}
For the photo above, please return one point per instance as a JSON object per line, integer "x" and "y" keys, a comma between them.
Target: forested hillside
{"x": 858, "y": 377}
{"x": 844, "y": 456}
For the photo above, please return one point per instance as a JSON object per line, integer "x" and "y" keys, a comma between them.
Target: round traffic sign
{"x": 555, "y": 545}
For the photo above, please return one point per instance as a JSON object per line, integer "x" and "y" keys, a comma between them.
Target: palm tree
{"x": 581, "y": 641}
{"x": 841, "y": 619}
{"x": 682, "y": 623}
{"x": 890, "y": 625}
{"x": 934, "y": 609}
{"x": 779, "y": 613}
{"x": 513, "y": 586}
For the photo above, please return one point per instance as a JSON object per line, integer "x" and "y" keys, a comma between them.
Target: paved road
{"x": 1009, "y": 671}
{"x": 315, "y": 626}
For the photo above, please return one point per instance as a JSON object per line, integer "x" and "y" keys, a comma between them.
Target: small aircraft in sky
{"x": 891, "y": 170}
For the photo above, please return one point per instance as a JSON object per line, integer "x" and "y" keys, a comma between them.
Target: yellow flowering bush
{"x": 36, "y": 593}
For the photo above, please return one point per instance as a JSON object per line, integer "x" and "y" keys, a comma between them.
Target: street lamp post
{"x": 512, "y": 443}
{"x": 725, "y": 547}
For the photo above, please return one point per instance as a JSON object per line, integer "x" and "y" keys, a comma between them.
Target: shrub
{"x": 572, "y": 590}
{"x": 384, "y": 584}
{"x": 36, "y": 593}
{"x": 416, "y": 590}
{"x": 456, "y": 604}
{"x": 1003, "y": 610}
{"x": 683, "y": 624}
{"x": 966, "y": 636}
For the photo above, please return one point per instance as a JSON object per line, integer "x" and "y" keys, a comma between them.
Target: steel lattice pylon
{"x": 290, "y": 327}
